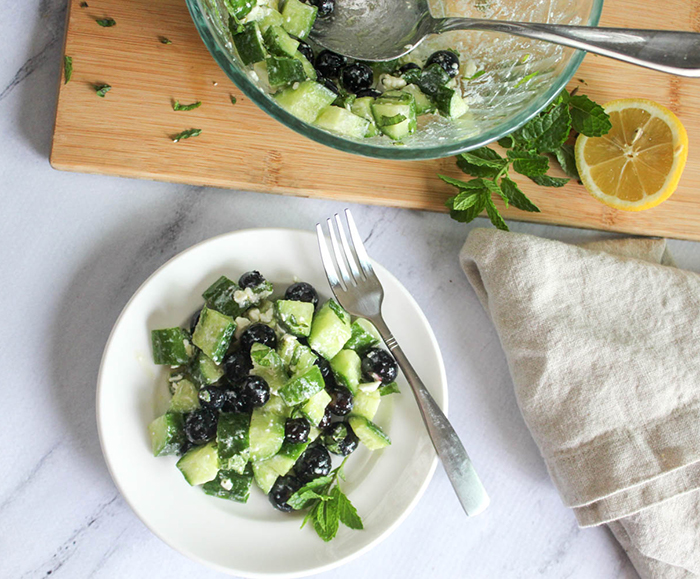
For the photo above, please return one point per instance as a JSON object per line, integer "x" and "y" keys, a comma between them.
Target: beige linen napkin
{"x": 603, "y": 343}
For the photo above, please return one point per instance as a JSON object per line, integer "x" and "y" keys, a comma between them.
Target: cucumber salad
{"x": 266, "y": 390}
{"x": 350, "y": 98}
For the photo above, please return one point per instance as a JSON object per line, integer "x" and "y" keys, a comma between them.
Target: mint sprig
{"x": 177, "y": 106}
{"x": 529, "y": 151}
{"x": 328, "y": 505}
{"x": 106, "y": 22}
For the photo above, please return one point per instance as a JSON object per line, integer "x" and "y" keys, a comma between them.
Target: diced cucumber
{"x": 200, "y": 464}
{"x": 265, "y": 475}
{"x": 295, "y": 317}
{"x": 279, "y": 43}
{"x": 232, "y": 439}
{"x": 283, "y": 462}
{"x": 330, "y": 330}
{"x": 412, "y": 75}
{"x": 213, "y": 333}
{"x": 369, "y": 433}
{"x": 302, "y": 387}
{"x": 366, "y": 404}
{"x": 298, "y": 18}
{"x": 306, "y": 101}
{"x": 185, "y": 399}
{"x": 268, "y": 365}
{"x": 369, "y": 386}
{"x": 314, "y": 433}
{"x": 265, "y": 17}
{"x": 266, "y": 434}
{"x": 276, "y": 405}
{"x": 239, "y": 8}
{"x": 395, "y": 114}
{"x": 344, "y": 99}
{"x": 432, "y": 78}
{"x": 423, "y": 103}
{"x": 346, "y": 369}
{"x": 171, "y": 346}
{"x": 364, "y": 335}
{"x": 391, "y": 388}
{"x": 342, "y": 121}
{"x": 308, "y": 67}
{"x": 450, "y": 103}
{"x": 286, "y": 347}
{"x": 205, "y": 371}
{"x": 315, "y": 406}
{"x": 167, "y": 434}
{"x": 220, "y": 297}
{"x": 230, "y": 485}
{"x": 282, "y": 71}
{"x": 362, "y": 107}
{"x": 302, "y": 360}
{"x": 249, "y": 44}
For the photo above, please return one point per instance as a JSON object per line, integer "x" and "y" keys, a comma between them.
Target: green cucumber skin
{"x": 295, "y": 317}
{"x": 232, "y": 437}
{"x": 306, "y": 101}
{"x": 219, "y": 297}
{"x": 268, "y": 365}
{"x": 240, "y": 485}
{"x": 167, "y": 434}
{"x": 279, "y": 43}
{"x": 282, "y": 71}
{"x": 330, "y": 330}
{"x": 315, "y": 407}
{"x": 364, "y": 335}
{"x": 171, "y": 346}
{"x": 213, "y": 333}
{"x": 303, "y": 387}
{"x": 249, "y": 44}
{"x": 346, "y": 369}
{"x": 266, "y": 434}
{"x": 205, "y": 371}
{"x": 369, "y": 433}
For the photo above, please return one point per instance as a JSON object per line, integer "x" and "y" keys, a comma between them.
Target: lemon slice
{"x": 638, "y": 164}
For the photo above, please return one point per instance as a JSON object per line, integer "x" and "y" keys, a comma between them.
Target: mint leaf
{"x": 482, "y": 162}
{"x": 187, "y": 134}
{"x": 102, "y": 89}
{"x": 178, "y": 107}
{"x": 458, "y": 183}
{"x": 495, "y": 216}
{"x": 588, "y": 117}
{"x": 547, "y": 132}
{"x": 516, "y": 197}
{"x": 106, "y": 22}
{"x": 468, "y": 215}
{"x": 316, "y": 484}
{"x": 529, "y": 164}
{"x": 301, "y": 500}
{"x": 67, "y": 68}
{"x": 391, "y": 388}
{"x": 327, "y": 517}
{"x": 547, "y": 181}
{"x": 567, "y": 159}
{"x": 493, "y": 189}
{"x": 465, "y": 200}
{"x": 507, "y": 142}
{"x": 348, "y": 513}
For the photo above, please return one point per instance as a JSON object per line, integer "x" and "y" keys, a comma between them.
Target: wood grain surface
{"x": 127, "y": 133}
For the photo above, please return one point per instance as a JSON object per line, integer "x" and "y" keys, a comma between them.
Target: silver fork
{"x": 358, "y": 290}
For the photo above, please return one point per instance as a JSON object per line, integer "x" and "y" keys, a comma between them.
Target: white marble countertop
{"x": 75, "y": 247}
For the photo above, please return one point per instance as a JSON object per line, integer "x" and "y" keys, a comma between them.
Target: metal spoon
{"x": 379, "y": 30}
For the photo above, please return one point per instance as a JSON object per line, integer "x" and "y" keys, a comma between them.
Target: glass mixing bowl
{"x": 512, "y": 78}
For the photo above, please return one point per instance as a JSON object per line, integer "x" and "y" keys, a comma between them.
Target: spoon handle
{"x": 666, "y": 51}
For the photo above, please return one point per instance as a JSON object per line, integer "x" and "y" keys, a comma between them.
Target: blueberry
{"x": 368, "y": 92}
{"x": 282, "y": 490}
{"x": 306, "y": 50}
{"x": 236, "y": 366}
{"x": 325, "y": 7}
{"x": 213, "y": 397}
{"x": 251, "y": 279}
{"x": 340, "y": 439}
{"x": 195, "y": 319}
{"x": 185, "y": 445}
{"x": 235, "y": 401}
{"x": 378, "y": 364}
{"x": 356, "y": 77}
{"x": 302, "y": 292}
{"x": 409, "y": 66}
{"x": 326, "y": 420}
{"x": 447, "y": 59}
{"x": 328, "y": 64}
{"x": 258, "y": 334}
{"x": 255, "y": 391}
{"x": 329, "y": 84}
{"x": 200, "y": 426}
{"x": 315, "y": 462}
{"x": 341, "y": 400}
{"x": 296, "y": 430}
{"x": 324, "y": 366}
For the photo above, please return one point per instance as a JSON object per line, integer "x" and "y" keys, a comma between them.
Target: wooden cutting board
{"x": 127, "y": 132}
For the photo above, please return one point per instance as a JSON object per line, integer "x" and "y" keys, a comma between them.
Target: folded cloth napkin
{"x": 603, "y": 344}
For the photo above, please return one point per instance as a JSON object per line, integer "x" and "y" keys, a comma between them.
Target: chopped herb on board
{"x": 67, "y": 68}
{"x": 102, "y": 89}
{"x": 164, "y": 40}
{"x": 83, "y": 4}
{"x": 106, "y": 22}
{"x": 178, "y": 107}
{"x": 529, "y": 152}
{"x": 187, "y": 134}
{"x": 234, "y": 100}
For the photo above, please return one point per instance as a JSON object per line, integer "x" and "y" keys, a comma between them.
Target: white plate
{"x": 253, "y": 539}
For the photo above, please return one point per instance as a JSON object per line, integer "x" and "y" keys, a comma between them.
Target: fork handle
{"x": 454, "y": 457}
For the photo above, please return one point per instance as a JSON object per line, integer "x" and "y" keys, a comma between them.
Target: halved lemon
{"x": 638, "y": 164}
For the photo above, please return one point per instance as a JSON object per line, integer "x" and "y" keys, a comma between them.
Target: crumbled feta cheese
{"x": 241, "y": 325}
{"x": 226, "y": 484}
{"x": 390, "y": 82}
{"x": 266, "y": 317}
{"x": 175, "y": 377}
{"x": 244, "y": 297}
{"x": 253, "y": 314}
{"x": 295, "y": 86}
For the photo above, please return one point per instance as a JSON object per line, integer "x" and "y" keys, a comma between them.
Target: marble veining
{"x": 73, "y": 248}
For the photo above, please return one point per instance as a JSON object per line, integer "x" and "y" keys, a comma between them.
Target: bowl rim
{"x": 264, "y": 102}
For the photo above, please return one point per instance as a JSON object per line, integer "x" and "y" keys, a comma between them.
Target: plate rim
{"x": 186, "y": 552}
